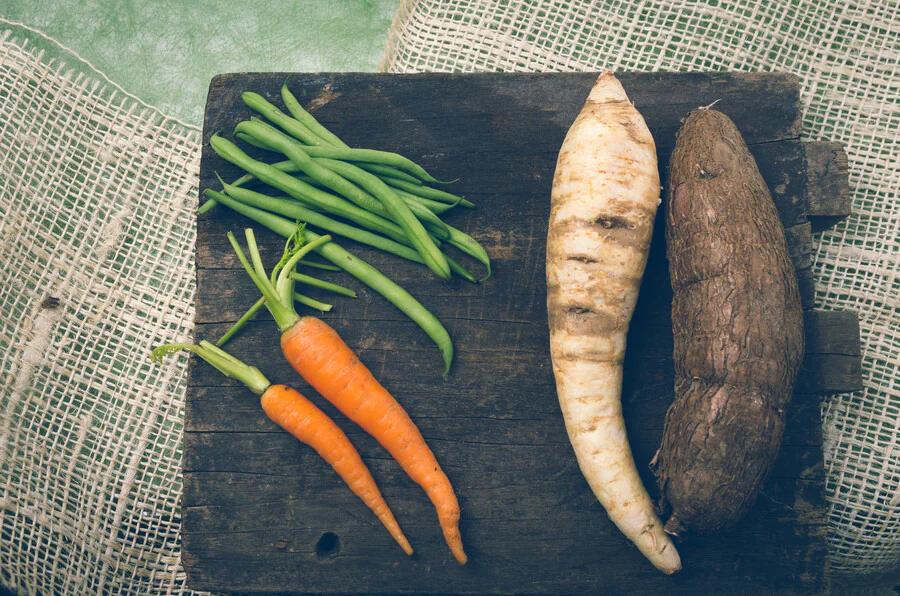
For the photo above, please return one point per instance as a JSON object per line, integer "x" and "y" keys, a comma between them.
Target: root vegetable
{"x": 738, "y": 327}
{"x": 604, "y": 200}
{"x": 321, "y": 357}
{"x": 293, "y": 412}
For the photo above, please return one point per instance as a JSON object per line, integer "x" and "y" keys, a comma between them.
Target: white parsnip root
{"x": 605, "y": 195}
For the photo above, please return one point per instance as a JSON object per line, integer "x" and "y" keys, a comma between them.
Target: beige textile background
{"x": 97, "y": 193}
{"x": 847, "y": 54}
{"x": 97, "y": 200}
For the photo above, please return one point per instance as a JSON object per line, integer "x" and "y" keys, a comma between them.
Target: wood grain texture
{"x": 828, "y": 193}
{"x": 256, "y": 502}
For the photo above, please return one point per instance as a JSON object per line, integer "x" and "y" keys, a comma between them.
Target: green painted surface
{"x": 166, "y": 51}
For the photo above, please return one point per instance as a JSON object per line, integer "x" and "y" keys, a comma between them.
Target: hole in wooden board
{"x": 329, "y": 545}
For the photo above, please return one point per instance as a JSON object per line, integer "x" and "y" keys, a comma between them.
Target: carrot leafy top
{"x": 224, "y": 362}
{"x": 278, "y": 287}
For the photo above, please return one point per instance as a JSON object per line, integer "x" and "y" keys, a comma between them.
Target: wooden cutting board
{"x": 262, "y": 512}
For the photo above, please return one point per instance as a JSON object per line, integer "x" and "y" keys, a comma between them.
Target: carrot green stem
{"x": 312, "y": 302}
{"x": 325, "y": 285}
{"x": 317, "y": 265}
{"x": 285, "y": 283}
{"x": 255, "y": 257}
{"x": 358, "y": 269}
{"x": 241, "y": 322}
{"x": 221, "y": 361}
{"x": 284, "y": 316}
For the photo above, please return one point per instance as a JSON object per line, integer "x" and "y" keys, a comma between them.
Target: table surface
{"x": 257, "y": 502}
{"x": 166, "y": 51}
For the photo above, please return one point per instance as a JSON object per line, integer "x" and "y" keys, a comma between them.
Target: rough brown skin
{"x": 738, "y": 327}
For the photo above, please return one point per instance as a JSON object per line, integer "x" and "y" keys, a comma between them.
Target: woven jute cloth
{"x": 847, "y": 55}
{"x": 97, "y": 201}
{"x": 97, "y": 195}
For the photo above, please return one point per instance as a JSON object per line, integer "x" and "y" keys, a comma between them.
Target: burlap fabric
{"x": 97, "y": 194}
{"x": 847, "y": 55}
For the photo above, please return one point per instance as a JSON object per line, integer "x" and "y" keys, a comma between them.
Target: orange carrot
{"x": 321, "y": 357}
{"x": 317, "y": 352}
{"x": 294, "y": 413}
{"x": 290, "y": 410}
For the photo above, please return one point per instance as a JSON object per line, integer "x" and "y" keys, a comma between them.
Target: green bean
{"x": 312, "y": 302}
{"x": 309, "y": 181}
{"x": 386, "y": 172}
{"x": 319, "y": 149}
{"x": 358, "y": 269}
{"x": 284, "y": 166}
{"x": 295, "y": 211}
{"x": 304, "y": 192}
{"x": 412, "y": 200}
{"x": 278, "y": 141}
{"x": 429, "y": 193}
{"x": 289, "y": 167}
{"x": 330, "y": 138}
{"x": 435, "y": 207}
{"x": 394, "y": 293}
{"x": 273, "y": 139}
{"x": 322, "y": 284}
{"x": 307, "y": 119}
{"x": 471, "y": 247}
{"x": 206, "y": 206}
{"x": 373, "y": 185}
{"x": 416, "y": 204}
{"x": 382, "y": 171}
{"x": 253, "y": 142}
{"x": 289, "y": 207}
{"x": 412, "y": 227}
{"x": 258, "y": 206}
{"x": 262, "y": 122}
{"x": 374, "y": 156}
{"x": 257, "y": 102}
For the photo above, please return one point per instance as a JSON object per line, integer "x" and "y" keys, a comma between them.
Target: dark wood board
{"x": 257, "y": 502}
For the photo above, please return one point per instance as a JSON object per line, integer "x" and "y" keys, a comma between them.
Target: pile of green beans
{"x": 378, "y": 198}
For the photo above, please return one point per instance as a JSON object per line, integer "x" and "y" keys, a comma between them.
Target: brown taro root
{"x": 738, "y": 327}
